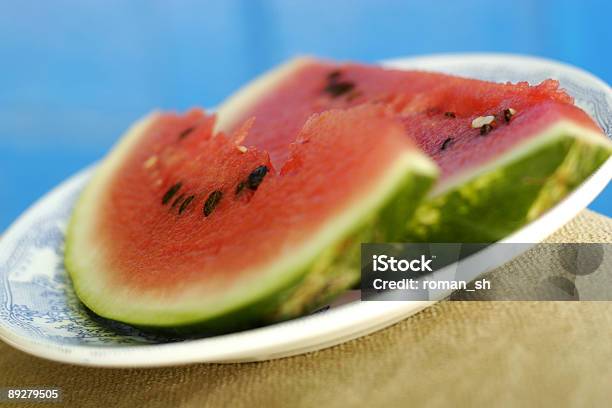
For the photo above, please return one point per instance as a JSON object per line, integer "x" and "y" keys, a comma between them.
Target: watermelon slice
{"x": 184, "y": 227}
{"x": 507, "y": 152}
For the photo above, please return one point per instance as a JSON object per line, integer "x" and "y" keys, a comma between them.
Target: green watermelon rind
{"x": 330, "y": 273}
{"x": 497, "y": 199}
{"x": 279, "y": 284}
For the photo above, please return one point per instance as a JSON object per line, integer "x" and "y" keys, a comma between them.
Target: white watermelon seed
{"x": 150, "y": 162}
{"x": 480, "y": 121}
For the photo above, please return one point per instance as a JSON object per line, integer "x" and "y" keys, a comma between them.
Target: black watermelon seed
{"x": 485, "y": 129}
{"x": 334, "y": 75}
{"x": 186, "y": 203}
{"x": 171, "y": 192}
{"x": 507, "y": 115}
{"x": 211, "y": 202}
{"x": 446, "y": 143}
{"x": 336, "y": 89}
{"x": 240, "y": 187}
{"x": 185, "y": 132}
{"x": 256, "y": 177}
{"x": 450, "y": 114}
{"x": 177, "y": 200}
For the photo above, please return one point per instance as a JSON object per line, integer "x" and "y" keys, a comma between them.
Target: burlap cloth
{"x": 451, "y": 354}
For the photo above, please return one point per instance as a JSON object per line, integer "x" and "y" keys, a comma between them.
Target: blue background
{"x": 74, "y": 74}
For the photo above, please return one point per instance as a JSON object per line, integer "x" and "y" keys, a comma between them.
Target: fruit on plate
{"x": 507, "y": 152}
{"x": 183, "y": 227}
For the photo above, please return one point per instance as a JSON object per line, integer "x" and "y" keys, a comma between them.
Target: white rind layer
{"x": 560, "y": 128}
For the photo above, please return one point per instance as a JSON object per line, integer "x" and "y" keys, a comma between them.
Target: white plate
{"x": 40, "y": 314}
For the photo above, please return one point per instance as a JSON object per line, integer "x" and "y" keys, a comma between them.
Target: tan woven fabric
{"x": 451, "y": 354}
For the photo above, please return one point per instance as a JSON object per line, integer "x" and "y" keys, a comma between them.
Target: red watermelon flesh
{"x": 433, "y": 106}
{"x": 456, "y": 146}
{"x": 245, "y": 227}
{"x": 495, "y": 177}
{"x": 176, "y": 229}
